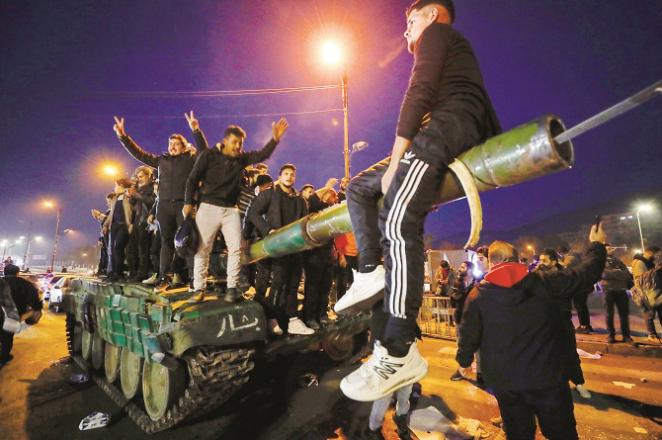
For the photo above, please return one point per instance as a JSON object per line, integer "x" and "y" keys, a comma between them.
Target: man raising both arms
{"x": 220, "y": 169}
{"x": 446, "y": 82}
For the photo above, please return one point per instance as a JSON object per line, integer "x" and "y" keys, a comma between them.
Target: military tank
{"x": 166, "y": 360}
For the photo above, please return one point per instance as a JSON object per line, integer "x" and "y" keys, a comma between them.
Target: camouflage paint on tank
{"x": 524, "y": 153}
{"x": 149, "y": 323}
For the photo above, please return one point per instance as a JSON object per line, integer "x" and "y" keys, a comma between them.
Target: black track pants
{"x": 398, "y": 225}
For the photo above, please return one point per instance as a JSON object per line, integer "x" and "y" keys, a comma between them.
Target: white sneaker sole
{"x": 351, "y": 392}
{"x": 359, "y": 303}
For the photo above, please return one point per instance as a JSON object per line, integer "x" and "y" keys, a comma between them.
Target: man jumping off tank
{"x": 447, "y": 84}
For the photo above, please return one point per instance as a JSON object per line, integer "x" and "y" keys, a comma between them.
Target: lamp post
{"x": 644, "y": 207}
{"x": 332, "y": 55}
{"x": 58, "y": 214}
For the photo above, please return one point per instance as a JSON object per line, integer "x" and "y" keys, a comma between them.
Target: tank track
{"x": 70, "y": 324}
{"x": 214, "y": 376}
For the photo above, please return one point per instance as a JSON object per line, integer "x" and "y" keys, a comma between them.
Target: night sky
{"x": 67, "y": 67}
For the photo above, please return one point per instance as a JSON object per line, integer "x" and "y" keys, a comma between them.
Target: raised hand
{"x": 597, "y": 234}
{"x": 331, "y": 182}
{"x": 193, "y": 123}
{"x": 119, "y": 126}
{"x": 279, "y": 128}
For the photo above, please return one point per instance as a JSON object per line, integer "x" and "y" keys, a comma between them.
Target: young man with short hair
{"x": 447, "y": 84}
{"x": 173, "y": 167}
{"x": 220, "y": 171}
{"x": 271, "y": 210}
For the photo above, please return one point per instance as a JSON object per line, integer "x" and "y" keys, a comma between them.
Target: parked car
{"x": 57, "y": 291}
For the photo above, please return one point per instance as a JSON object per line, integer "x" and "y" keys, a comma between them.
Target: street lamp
{"x": 58, "y": 213}
{"x": 332, "y": 56}
{"x": 642, "y": 207}
{"x": 110, "y": 169}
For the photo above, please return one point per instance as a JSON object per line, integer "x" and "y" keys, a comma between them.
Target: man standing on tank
{"x": 174, "y": 168}
{"x": 447, "y": 84}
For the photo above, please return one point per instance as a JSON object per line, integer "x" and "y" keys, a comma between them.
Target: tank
{"x": 167, "y": 361}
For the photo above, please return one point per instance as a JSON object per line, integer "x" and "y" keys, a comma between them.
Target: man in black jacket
{"x": 446, "y": 83}
{"x": 270, "y": 210}
{"x": 513, "y": 319}
{"x": 615, "y": 282}
{"x": 25, "y": 295}
{"x": 173, "y": 170}
{"x": 220, "y": 171}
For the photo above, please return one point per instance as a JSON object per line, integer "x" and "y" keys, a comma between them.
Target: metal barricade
{"x": 436, "y": 317}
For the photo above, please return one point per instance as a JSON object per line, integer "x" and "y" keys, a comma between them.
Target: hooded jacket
{"x": 513, "y": 318}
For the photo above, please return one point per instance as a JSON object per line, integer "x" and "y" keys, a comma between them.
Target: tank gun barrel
{"x": 524, "y": 153}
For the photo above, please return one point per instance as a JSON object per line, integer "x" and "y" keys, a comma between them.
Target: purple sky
{"x": 61, "y": 64}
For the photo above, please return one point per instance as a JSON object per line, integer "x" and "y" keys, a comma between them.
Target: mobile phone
{"x": 598, "y": 220}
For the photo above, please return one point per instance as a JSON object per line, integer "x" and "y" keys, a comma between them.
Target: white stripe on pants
{"x": 210, "y": 219}
{"x": 397, "y": 242}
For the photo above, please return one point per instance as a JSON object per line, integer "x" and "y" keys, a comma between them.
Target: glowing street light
{"x": 110, "y": 169}
{"x": 331, "y": 53}
{"x": 645, "y": 208}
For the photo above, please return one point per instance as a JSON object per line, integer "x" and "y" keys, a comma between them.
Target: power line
{"x": 218, "y": 93}
{"x": 224, "y": 116}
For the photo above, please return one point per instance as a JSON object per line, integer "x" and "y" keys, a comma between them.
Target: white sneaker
{"x": 152, "y": 280}
{"x": 384, "y": 374}
{"x": 364, "y": 288}
{"x": 297, "y": 327}
{"x": 581, "y": 389}
{"x": 275, "y": 328}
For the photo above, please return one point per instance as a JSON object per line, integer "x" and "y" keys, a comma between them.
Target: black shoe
{"x": 138, "y": 278}
{"x": 232, "y": 295}
{"x": 324, "y": 321}
{"x": 611, "y": 339}
{"x": 313, "y": 324}
{"x": 627, "y": 339}
{"x": 6, "y": 360}
{"x": 402, "y": 426}
{"x": 456, "y": 376}
{"x": 584, "y": 330}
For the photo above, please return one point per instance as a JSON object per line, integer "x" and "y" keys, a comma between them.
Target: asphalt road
{"x": 37, "y": 402}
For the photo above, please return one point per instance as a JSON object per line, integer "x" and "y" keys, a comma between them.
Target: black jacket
{"x": 142, "y": 203}
{"x": 513, "y": 319}
{"x": 173, "y": 170}
{"x": 446, "y": 78}
{"x": 24, "y": 293}
{"x": 265, "y": 210}
{"x": 221, "y": 175}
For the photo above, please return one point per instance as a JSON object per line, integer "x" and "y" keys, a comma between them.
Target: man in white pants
{"x": 216, "y": 177}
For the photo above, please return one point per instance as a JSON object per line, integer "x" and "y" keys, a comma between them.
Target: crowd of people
{"x": 234, "y": 202}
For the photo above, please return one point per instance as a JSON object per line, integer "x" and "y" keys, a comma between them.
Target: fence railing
{"x": 436, "y": 317}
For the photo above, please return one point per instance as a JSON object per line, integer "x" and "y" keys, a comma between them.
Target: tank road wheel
{"x": 86, "y": 345}
{"x": 130, "y": 370}
{"x": 161, "y": 387}
{"x": 338, "y": 348}
{"x": 111, "y": 362}
{"x": 97, "y": 352}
